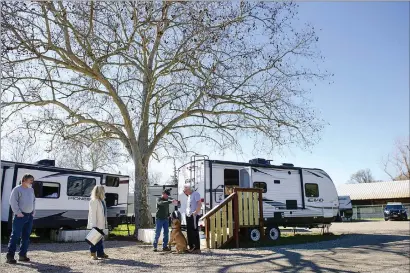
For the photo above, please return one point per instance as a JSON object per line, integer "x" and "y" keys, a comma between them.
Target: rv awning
{"x": 376, "y": 190}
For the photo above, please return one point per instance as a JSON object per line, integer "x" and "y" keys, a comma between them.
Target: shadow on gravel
{"x": 353, "y": 240}
{"x": 355, "y": 243}
{"x": 132, "y": 263}
{"x": 275, "y": 260}
{"x": 40, "y": 267}
{"x": 79, "y": 246}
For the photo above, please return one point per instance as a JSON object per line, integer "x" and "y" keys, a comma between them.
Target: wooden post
{"x": 230, "y": 218}
{"x": 239, "y": 198}
{"x": 207, "y": 226}
{"x": 255, "y": 215}
{"x": 245, "y": 208}
{"x": 236, "y": 219}
{"x": 224, "y": 225}
{"x": 261, "y": 224}
{"x": 218, "y": 228}
{"x": 212, "y": 229}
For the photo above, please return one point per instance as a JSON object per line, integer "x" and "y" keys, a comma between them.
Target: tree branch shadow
{"x": 42, "y": 267}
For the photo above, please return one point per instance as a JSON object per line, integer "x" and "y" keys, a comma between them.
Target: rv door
{"x": 245, "y": 178}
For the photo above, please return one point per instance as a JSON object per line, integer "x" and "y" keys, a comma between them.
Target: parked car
{"x": 395, "y": 211}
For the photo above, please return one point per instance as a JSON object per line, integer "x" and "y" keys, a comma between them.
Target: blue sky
{"x": 366, "y": 45}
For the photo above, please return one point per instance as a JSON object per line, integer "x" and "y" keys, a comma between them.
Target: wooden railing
{"x": 241, "y": 209}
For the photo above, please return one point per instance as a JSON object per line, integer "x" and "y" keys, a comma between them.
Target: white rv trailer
{"x": 292, "y": 196}
{"x": 62, "y": 195}
{"x": 345, "y": 207}
{"x": 154, "y": 192}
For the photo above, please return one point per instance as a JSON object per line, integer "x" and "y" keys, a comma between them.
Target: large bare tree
{"x": 397, "y": 163}
{"x": 20, "y": 146}
{"x": 97, "y": 156}
{"x": 161, "y": 77}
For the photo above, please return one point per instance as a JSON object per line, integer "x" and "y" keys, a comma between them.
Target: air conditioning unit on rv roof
{"x": 259, "y": 161}
{"x": 46, "y": 162}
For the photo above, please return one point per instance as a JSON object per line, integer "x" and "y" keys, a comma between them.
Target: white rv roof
{"x": 376, "y": 190}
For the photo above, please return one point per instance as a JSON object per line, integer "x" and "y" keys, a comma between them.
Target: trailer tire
{"x": 254, "y": 234}
{"x": 273, "y": 233}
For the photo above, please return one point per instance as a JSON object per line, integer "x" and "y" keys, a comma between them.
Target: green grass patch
{"x": 122, "y": 230}
{"x": 285, "y": 239}
{"x": 366, "y": 220}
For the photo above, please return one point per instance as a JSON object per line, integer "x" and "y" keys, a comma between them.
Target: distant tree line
{"x": 396, "y": 165}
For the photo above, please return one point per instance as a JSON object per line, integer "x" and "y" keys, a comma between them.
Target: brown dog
{"x": 177, "y": 237}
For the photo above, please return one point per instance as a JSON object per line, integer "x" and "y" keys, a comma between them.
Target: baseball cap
{"x": 166, "y": 192}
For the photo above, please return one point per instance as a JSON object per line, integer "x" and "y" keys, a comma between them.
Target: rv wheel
{"x": 273, "y": 233}
{"x": 254, "y": 234}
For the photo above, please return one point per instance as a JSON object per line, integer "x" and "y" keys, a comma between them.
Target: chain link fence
{"x": 371, "y": 212}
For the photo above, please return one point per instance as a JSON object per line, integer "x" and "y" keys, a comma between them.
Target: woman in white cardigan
{"x": 97, "y": 217}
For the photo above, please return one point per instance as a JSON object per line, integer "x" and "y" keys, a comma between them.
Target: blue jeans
{"x": 99, "y": 248}
{"x": 161, "y": 224}
{"x": 22, "y": 227}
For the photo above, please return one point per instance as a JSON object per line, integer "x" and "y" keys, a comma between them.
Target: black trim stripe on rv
{"x": 257, "y": 170}
{"x": 2, "y": 180}
{"x": 12, "y": 187}
{"x": 314, "y": 174}
{"x": 302, "y": 188}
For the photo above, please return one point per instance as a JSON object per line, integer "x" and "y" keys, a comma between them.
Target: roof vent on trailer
{"x": 260, "y": 161}
{"x": 46, "y": 162}
{"x": 288, "y": 165}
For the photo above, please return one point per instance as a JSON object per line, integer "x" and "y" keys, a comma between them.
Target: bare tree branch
{"x": 160, "y": 77}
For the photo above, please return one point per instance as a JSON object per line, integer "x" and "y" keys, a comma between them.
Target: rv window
{"x": 260, "y": 185}
{"x": 46, "y": 189}
{"x": 311, "y": 190}
{"x": 112, "y": 181}
{"x": 80, "y": 186}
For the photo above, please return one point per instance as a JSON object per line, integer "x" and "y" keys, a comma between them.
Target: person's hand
{"x": 175, "y": 202}
{"x": 33, "y": 214}
{"x": 20, "y": 215}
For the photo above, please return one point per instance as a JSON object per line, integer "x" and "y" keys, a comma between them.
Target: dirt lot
{"x": 366, "y": 247}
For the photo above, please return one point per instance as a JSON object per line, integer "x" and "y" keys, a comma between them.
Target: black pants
{"x": 193, "y": 232}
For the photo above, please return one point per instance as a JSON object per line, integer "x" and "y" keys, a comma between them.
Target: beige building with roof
{"x": 377, "y": 193}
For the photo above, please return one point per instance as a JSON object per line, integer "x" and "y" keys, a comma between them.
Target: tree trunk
{"x": 142, "y": 216}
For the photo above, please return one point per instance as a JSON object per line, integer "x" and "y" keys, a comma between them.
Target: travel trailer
{"x": 154, "y": 192}
{"x": 345, "y": 208}
{"x": 62, "y": 195}
{"x": 292, "y": 196}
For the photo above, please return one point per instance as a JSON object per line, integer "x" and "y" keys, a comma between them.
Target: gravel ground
{"x": 367, "y": 247}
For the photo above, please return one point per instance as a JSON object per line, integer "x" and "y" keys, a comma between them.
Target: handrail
{"x": 231, "y": 215}
{"x": 216, "y": 208}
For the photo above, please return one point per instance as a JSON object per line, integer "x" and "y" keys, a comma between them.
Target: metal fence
{"x": 371, "y": 212}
